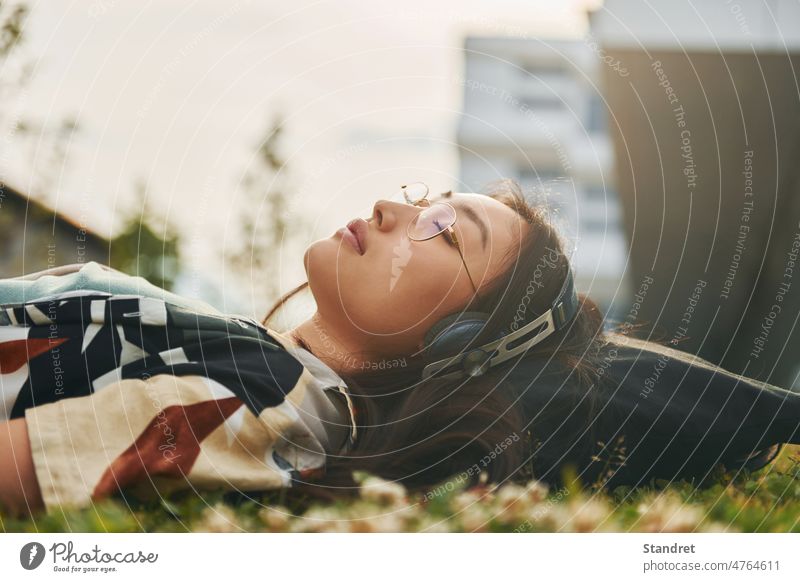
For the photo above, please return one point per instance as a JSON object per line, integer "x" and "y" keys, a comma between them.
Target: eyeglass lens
{"x": 431, "y": 221}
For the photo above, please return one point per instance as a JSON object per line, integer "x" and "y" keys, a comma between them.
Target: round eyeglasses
{"x": 414, "y": 193}
{"x": 436, "y": 218}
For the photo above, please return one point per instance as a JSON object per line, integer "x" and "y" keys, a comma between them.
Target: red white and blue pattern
{"x": 129, "y": 388}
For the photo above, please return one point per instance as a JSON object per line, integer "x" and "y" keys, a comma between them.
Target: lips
{"x": 350, "y": 238}
{"x": 358, "y": 229}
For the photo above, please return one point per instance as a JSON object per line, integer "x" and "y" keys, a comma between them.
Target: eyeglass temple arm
{"x": 425, "y": 202}
{"x": 452, "y": 232}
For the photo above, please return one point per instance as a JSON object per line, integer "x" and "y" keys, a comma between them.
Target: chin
{"x": 316, "y": 261}
{"x": 307, "y": 258}
{"x": 324, "y": 269}
{"x": 319, "y": 256}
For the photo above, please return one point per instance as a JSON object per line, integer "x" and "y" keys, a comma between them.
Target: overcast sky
{"x": 177, "y": 94}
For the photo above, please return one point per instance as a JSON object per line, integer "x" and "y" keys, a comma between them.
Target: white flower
{"x": 464, "y": 499}
{"x": 666, "y": 512}
{"x": 275, "y": 518}
{"x": 382, "y": 492}
{"x": 386, "y": 522}
{"x": 321, "y": 519}
{"x": 536, "y": 491}
{"x": 512, "y": 504}
{"x": 219, "y": 518}
{"x": 475, "y": 518}
{"x": 589, "y": 515}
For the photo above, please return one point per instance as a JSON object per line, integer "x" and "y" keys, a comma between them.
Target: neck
{"x": 321, "y": 339}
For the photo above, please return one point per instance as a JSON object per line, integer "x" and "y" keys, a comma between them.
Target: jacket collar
{"x": 322, "y": 373}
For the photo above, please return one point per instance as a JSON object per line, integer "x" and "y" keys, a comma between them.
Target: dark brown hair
{"x": 421, "y": 433}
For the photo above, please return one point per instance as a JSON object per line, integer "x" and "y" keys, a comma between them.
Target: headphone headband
{"x": 477, "y": 360}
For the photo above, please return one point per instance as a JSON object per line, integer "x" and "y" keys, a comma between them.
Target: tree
{"x": 144, "y": 248}
{"x": 263, "y": 219}
{"x": 47, "y": 142}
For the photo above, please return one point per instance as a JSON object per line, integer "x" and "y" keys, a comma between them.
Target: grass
{"x": 766, "y": 501}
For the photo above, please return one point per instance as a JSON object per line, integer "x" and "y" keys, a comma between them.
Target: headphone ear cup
{"x": 448, "y": 336}
{"x": 437, "y": 328}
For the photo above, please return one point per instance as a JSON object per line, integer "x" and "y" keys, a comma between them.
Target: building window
{"x": 541, "y": 102}
{"x": 543, "y": 68}
{"x": 597, "y": 114}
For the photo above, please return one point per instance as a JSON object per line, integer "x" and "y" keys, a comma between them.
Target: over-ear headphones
{"x": 445, "y": 343}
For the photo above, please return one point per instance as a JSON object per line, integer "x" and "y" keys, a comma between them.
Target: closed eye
{"x": 447, "y": 236}
{"x": 446, "y": 233}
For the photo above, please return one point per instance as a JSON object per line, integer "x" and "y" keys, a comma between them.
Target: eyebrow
{"x": 470, "y": 213}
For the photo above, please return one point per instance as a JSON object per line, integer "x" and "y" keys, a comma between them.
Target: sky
{"x": 178, "y": 94}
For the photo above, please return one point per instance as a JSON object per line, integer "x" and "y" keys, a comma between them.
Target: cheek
{"x": 349, "y": 289}
{"x": 390, "y": 290}
{"x": 400, "y": 293}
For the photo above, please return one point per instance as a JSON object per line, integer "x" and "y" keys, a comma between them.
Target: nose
{"x": 387, "y": 214}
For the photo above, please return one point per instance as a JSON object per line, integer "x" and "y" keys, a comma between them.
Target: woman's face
{"x": 387, "y": 298}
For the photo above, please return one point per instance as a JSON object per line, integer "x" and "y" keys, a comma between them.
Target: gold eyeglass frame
{"x": 425, "y": 203}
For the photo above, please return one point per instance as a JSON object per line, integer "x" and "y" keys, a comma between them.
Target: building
{"x": 533, "y": 111}
{"x": 706, "y": 131}
{"x": 34, "y": 237}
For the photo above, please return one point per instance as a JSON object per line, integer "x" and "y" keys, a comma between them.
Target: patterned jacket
{"x": 126, "y": 393}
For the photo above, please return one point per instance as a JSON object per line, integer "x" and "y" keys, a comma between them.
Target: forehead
{"x": 502, "y": 220}
{"x": 505, "y": 229}
{"x": 485, "y": 204}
